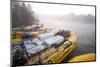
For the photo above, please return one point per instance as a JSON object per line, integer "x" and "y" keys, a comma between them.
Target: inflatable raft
{"x": 46, "y": 48}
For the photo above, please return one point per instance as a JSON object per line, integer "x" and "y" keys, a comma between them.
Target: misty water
{"x": 84, "y": 30}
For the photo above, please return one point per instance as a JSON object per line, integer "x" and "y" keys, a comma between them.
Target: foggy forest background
{"x": 23, "y": 15}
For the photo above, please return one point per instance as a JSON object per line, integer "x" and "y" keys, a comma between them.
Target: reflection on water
{"x": 84, "y": 31}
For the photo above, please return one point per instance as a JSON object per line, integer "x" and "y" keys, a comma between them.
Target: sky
{"x": 60, "y": 9}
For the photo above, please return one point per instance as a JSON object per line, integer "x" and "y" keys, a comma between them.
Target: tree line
{"x": 22, "y": 14}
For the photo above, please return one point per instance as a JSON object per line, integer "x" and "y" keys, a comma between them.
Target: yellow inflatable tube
{"x": 85, "y": 57}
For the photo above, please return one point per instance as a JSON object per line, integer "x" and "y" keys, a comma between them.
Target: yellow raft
{"x": 55, "y": 55}
{"x": 84, "y": 57}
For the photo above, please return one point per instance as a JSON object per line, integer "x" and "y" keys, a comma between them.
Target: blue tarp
{"x": 45, "y": 36}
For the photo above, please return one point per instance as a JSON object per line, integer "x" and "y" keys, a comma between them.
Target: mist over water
{"x": 84, "y": 30}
